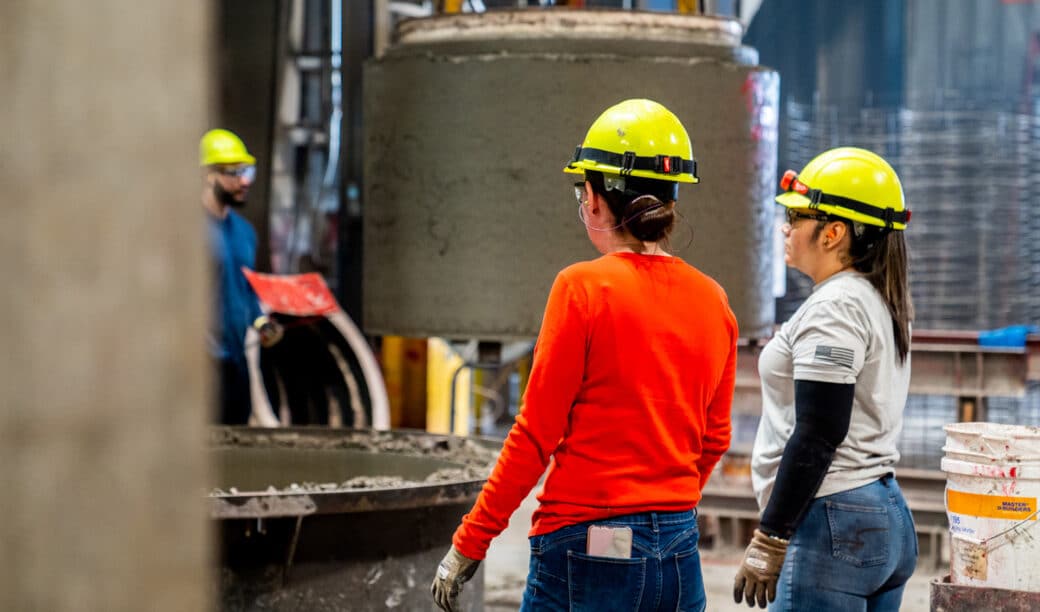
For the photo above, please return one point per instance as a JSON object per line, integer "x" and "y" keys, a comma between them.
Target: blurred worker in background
{"x": 834, "y": 384}
{"x": 228, "y": 172}
{"x": 629, "y": 396}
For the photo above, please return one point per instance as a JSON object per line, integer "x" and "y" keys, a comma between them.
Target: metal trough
{"x": 324, "y": 519}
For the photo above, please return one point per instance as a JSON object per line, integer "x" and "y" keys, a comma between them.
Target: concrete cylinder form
{"x": 469, "y": 120}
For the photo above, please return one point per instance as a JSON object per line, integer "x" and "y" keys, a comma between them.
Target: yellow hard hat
{"x": 638, "y": 138}
{"x": 850, "y": 183}
{"x": 223, "y": 147}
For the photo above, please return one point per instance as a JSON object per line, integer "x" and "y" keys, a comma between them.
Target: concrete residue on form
{"x": 474, "y": 461}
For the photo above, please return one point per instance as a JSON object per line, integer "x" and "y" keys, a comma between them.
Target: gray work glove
{"x": 454, "y": 570}
{"x": 759, "y": 571}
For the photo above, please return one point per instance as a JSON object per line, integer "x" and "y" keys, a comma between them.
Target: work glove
{"x": 271, "y": 331}
{"x": 454, "y": 570}
{"x": 759, "y": 571}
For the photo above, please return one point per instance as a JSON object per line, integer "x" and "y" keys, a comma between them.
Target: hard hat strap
{"x": 671, "y": 165}
{"x": 887, "y": 215}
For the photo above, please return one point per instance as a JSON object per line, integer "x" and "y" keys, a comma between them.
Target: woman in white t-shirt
{"x": 835, "y": 532}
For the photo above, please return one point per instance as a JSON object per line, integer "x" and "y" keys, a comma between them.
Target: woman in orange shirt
{"x": 628, "y": 402}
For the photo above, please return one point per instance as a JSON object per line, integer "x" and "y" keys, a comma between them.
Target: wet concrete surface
{"x": 506, "y": 571}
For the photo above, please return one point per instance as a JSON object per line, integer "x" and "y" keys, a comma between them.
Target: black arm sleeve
{"x": 822, "y": 415}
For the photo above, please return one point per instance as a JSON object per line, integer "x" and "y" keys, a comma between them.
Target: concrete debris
{"x": 472, "y": 460}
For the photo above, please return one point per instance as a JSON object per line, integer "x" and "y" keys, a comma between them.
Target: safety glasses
{"x": 794, "y": 215}
{"x": 579, "y": 192}
{"x": 247, "y": 172}
{"x": 789, "y": 182}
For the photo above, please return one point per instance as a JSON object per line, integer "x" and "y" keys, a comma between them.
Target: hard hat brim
{"x": 582, "y": 166}
{"x": 244, "y": 158}
{"x": 792, "y": 200}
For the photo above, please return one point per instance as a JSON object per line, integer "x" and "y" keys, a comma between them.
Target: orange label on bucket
{"x": 990, "y": 506}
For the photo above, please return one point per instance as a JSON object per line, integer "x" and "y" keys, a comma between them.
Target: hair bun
{"x": 648, "y": 219}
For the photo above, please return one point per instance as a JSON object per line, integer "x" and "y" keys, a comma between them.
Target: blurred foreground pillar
{"x": 103, "y": 308}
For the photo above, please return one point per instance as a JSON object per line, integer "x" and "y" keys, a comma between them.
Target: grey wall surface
{"x": 468, "y": 216}
{"x": 102, "y": 259}
{"x": 246, "y": 63}
{"x": 971, "y": 50}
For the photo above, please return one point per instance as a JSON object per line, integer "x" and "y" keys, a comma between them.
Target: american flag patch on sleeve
{"x": 834, "y": 355}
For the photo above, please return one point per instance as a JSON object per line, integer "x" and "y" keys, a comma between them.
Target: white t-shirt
{"x": 841, "y": 334}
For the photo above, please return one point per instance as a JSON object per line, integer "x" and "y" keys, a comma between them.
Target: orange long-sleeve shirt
{"x": 628, "y": 400}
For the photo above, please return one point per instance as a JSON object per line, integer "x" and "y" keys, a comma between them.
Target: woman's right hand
{"x": 452, "y": 572}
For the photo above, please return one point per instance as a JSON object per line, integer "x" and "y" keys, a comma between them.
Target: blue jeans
{"x": 854, "y": 551}
{"x": 664, "y": 572}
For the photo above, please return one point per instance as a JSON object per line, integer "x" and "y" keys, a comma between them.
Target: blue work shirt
{"x": 233, "y": 245}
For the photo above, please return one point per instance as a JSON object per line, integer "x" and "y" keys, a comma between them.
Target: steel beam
{"x": 944, "y": 363}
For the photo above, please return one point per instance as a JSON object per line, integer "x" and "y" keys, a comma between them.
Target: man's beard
{"x": 226, "y": 197}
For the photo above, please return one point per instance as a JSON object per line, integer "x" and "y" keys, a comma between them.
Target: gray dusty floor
{"x": 506, "y": 569}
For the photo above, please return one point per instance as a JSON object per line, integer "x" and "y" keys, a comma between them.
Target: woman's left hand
{"x": 758, "y": 574}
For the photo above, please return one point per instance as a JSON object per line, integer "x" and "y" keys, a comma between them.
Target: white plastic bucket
{"x": 992, "y": 493}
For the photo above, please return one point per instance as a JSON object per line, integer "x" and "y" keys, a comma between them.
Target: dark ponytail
{"x": 645, "y": 209}
{"x": 880, "y": 255}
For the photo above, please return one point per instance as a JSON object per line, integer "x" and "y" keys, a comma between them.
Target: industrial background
{"x": 409, "y": 154}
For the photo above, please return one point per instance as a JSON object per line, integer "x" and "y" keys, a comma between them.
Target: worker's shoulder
{"x": 850, "y": 289}
{"x": 576, "y": 272}
{"x": 594, "y": 272}
{"x": 591, "y": 270}
{"x": 702, "y": 279}
{"x": 239, "y": 222}
{"x": 603, "y": 267}
{"x": 849, "y": 298}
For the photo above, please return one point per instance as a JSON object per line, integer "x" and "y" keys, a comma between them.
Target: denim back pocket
{"x": 859, "y": 534}
{"x": 549, "y": 552}
{"x": 691, "y": 583}
{"x": 603, "y": 584}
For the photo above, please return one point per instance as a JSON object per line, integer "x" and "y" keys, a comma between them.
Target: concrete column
{"x": 103, "y": 306}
